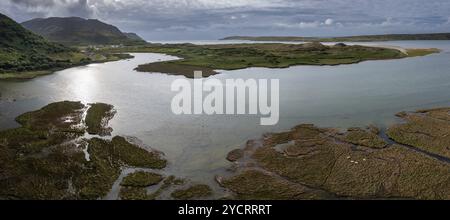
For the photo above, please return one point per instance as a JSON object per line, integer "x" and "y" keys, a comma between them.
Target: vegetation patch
{"x": 46, "y": 158}
{"x": 425, "y": 129}
{"x": 364, "y": 137}
{"x": 135, "y": 156}
{"x": 97, "y": 118}
{"x": 253, "y": 184}
{"x": 134, "y": 193}
{"x": 140, "y": 192}
{"x": 421, "y": 52}
{"x": 323, "y": 163}
{"x": 193, "y": 192}
{"x": 175, "y": 69}
{"x": 141, "y": 179}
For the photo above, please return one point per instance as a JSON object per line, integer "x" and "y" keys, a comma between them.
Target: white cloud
{"x": 329, "y": 21}
{"x": 310, "y": 24}
{"x": 390, "y": 22}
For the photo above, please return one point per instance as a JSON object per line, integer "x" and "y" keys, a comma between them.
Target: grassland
{"x": 210, "y": 58}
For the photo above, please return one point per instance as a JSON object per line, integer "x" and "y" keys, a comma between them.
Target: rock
{"x": 340, "y": 45}
{"x": 401, "y": 114}
{"x": 235, "y": 155}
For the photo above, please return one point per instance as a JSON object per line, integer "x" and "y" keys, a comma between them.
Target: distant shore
{"x": 362, "y": 38}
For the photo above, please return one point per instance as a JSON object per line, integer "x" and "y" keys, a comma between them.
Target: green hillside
{"x": 80, "y": 31}
{"x": 25, "y": 55}
{"x": 21, "y": 50}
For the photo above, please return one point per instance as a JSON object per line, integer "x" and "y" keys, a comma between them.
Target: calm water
{"x": 196, "y": 146}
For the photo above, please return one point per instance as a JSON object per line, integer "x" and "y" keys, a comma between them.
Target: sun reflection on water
{"x": 85, "y": 86}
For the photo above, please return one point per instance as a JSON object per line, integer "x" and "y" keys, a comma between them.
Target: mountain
{"x": 80, "y": 31}
{"x": 22, "y": 50}
{"x": 388, "y": 37}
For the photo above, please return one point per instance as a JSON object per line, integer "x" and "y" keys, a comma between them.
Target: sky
{"x": 215, "y": 19}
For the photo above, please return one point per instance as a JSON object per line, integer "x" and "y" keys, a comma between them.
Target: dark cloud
{"x": 34, "y": 3}
{"x": 212, "y": 19}
{"x": 23, "y": 9}
{"x": 80, "y": 8}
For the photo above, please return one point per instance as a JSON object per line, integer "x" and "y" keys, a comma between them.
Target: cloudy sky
{"x": 213, "y": 19}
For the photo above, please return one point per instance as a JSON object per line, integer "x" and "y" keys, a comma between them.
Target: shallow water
{"x": 196, "y": 146}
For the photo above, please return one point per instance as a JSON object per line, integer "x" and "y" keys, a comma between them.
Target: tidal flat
{"x": 308, "y": 162}
{"x": 49, "y": 158}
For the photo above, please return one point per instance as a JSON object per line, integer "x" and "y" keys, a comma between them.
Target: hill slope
{"x": 21, "y": 50}
{"x": 25, "y": 55}
{"x": 79, "y": 31}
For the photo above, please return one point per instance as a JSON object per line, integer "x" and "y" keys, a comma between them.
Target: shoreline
{"x": 29, "y": 75}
